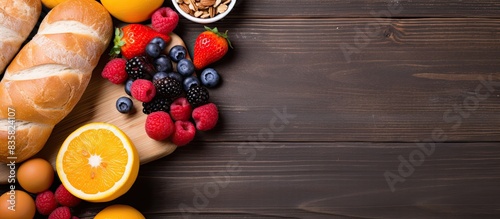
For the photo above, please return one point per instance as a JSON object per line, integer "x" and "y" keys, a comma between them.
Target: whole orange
{"x": 51, "y": 3}
{"x": 132, "y": 11}
{"x": 119, "y": 211}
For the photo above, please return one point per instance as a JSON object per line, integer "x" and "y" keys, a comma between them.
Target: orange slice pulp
{"x": 97, "y": 162}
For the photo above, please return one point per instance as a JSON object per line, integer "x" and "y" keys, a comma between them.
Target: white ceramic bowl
{"x": 204, "y": 20}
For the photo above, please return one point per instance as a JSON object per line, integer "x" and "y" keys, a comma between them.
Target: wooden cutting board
{"x": 98, "y": 105}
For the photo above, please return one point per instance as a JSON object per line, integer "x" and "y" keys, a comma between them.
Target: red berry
{"x": 164, "y": 20}
{"x": 143, "y": 90}
{"x": 206, "y": 116}
{"x": 184, "y": 133}
{"x": 60, "y": 213}
{"x": 209, "y": 47}
{"x": 159, "y": 125}
{"x": 131, "y": 40}
{"x": 114, "y": 71}
{"x": 180, "y": 109}
{"x": 45, "y": 202}
{"x": 65, "y": 198}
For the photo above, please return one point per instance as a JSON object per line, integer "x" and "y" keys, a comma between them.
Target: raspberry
{"x": 65, "y": 198}
{"x": 206, "y": 116}
{"x": 197, "y": 95}
{"x": 159, "y": 125}
{"x": 45, "y": 202}
{"x": 180, "y": 109}
{"x": 114, "y": 71}
{"x": 60, "y": 213}
{"x": 164, "y": 20}
{"x": 143, "y": 90}
{"x": 184, "y": 133}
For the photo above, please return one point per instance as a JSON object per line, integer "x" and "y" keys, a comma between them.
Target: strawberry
{"x": 132, "y": 39}
{"x": 209, "y": 47}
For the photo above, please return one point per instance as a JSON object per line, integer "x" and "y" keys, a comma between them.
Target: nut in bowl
{"x": 204, "y": 11}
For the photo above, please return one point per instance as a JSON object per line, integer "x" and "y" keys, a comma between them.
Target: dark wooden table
{"x": 342, "y": 109}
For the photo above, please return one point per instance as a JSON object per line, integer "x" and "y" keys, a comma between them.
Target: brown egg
{"x": 35, "y": 175}
{"x": 17, "y": 204}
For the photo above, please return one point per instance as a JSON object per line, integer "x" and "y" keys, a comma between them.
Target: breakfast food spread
{"x": 48, "y": 76}
{"x": 163, "y": 88}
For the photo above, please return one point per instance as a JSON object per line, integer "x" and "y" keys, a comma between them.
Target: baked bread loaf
{"x": 48, "y": 76}
{"x": 17, "y": 20}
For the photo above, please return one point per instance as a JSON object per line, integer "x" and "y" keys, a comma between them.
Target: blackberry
{"x": 168, "y": 87}
{"x": 197, "y": 95}
{"x": 139, "y": 67}
{"x": 157, "y": 104}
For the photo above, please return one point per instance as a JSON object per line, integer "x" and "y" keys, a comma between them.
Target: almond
{"x": 185, "y": 8}
{"x": 198, "y": 13}
{"x": 211, "y": 11}
{"x": 221, "y": 8}
{"x": 207, "y": 3}
{"x": 217, "y": 3}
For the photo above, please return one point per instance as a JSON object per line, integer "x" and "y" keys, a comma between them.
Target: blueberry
{"x": 160, "y": 42}
{"x": 185, "y": 67}
{"x": 190, "y": 81}
{"x": 124, "y": 105}
{"x": 128, "y": 85}
{"x": 177, "y": 53}
{"x": 153, "y": 50}
{"x": 159, "y": 75}
{"x": 175, "y": 76}
{"x": 209, "y": 77}
{"x": 162, "y": 63}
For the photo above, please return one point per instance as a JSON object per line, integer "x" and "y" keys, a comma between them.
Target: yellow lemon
{"x": 132, "y": 11}
{"x": 51, "y": 3}
{"x": 118, "y": 211}
{"x": 97, "y": 162}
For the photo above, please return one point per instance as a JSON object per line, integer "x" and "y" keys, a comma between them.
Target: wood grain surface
{"x": 341, "y": 109}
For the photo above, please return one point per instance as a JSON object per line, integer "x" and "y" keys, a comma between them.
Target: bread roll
{"x": 17, "y": 20}
{"x": 48, "y": 76}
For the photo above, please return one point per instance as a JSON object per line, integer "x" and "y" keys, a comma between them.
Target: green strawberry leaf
{"x": 223, "y": 35}
{"x": 117, "y": 43}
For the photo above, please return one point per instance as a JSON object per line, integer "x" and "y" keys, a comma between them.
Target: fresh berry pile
{"x": 173, "y": 90}
{"x": 56, "y": 204}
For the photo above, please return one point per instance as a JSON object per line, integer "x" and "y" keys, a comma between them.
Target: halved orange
{"x": 97, "y": 162}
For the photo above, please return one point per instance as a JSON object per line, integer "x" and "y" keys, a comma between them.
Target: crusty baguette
{"x": 17, "y": 20}
{"x": 48, "y": 76}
